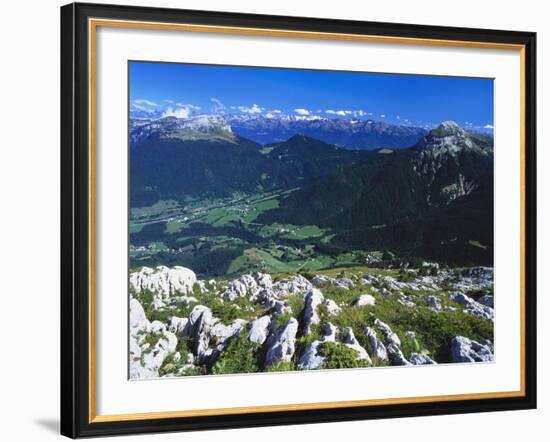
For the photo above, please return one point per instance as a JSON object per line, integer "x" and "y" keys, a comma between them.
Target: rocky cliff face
{"x": 453, "y": 160}
{"x": 181, "y": 326}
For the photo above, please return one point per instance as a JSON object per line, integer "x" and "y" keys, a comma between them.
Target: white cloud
{"x": 142, "y": 108}
{"x": 301, "y": 111}
{"x": 274, "y": 113}
{"x": 143, "y": 102}
{"x": 488, "y": 126}
{"x": 254, "y": 109}
{"x": 169, "y": 101}
{"x": 382, "y": 116}
{"x": 187, "y": 105}
{"x": 178, "y": 112}
{"x": 341, "y": 113}
{"x": 144, "y": 105}
{"x": 398, "y": 117}
{"x": 217, "y": 105}
{"x": 307, "y": 117}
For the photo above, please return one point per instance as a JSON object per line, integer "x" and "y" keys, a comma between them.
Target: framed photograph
{"x": 275, "y": 220}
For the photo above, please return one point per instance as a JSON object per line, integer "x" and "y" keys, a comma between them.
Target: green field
{"x": 217, "y": 237}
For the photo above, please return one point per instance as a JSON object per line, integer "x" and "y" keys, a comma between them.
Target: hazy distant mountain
{"x": 349, "y": 133}
{"x": 344, "y": 132}
{"x": 203, "y": 127}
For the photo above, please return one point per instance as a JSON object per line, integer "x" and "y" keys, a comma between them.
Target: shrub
{"x": 170, "y": 365}
{"x": 283, "y": 319}
{"x": 161, "y": 315}
{"x": 225, "y": 311}
{"x": 296, "y": 303}
{"x": 193, "y": 371}
{"x": 434, "y": 331}
{"x": 196, "y": 289}
{"x": 145, "y": 298}
{"x": 437, "y": 330}
{"x": 306, "y": 274}
{"x": 314, "y": 335}
{"x": 340, "y": 356}
{"x": 409, "y": 345}
{"x": 281, "y": 366}
{"x": 406, "y": 276}
{"x": 238, "y": 357}
{"x": 151, "y": 339}
{"x": 184, "y": 345}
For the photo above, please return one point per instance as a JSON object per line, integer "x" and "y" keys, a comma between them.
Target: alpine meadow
{"x": 285, "y": 219}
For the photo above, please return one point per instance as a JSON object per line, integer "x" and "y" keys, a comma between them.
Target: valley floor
{"x": 222, "y": 236}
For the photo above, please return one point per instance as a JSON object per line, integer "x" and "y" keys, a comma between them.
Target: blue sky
{"x": 187, "y": 89}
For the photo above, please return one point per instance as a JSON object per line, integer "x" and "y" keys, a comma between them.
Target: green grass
{"x": 340, "y": 356}
{"x": 215, "y": 215}
{"x": 171, "y": 366}
{"x": 268, "y": 204}
{"x": 282, "y": 319}
{"x": 239, "y": 263}
{"x": 359, "y": 270}
{"x": 280, "y": 250}
{"x": 226, "y": 219}
{"x": 174, "y": 226}
{"x": 304, "y": 232}
{"x": 159, "y": 208}
{"x": 135, "y": 228}
{"x": 258, "y": 259}
{"x": 434, "y": 331}
{"x": 296, "y": 303}
{"x": 238, "y": 357}
{"x": 282, "y": 366}
{"x": 238, "y": 214}
{"x": 158, "y": 246}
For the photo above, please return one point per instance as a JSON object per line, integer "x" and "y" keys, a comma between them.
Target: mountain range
{"x": 175, "y": 159}
{"x": 433, "y": 199}
{"x": 350, "y": 133}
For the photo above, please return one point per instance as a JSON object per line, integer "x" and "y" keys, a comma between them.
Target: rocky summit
{"x": 356, "y": 317}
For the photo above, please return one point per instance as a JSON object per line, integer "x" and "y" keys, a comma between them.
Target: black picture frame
{"x": 75, "y": 220}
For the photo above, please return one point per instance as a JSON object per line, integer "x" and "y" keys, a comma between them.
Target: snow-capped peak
{"x": 449, "y": 137}
{"x": 199, "y": 127}
{"x": 448, "y": 128}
